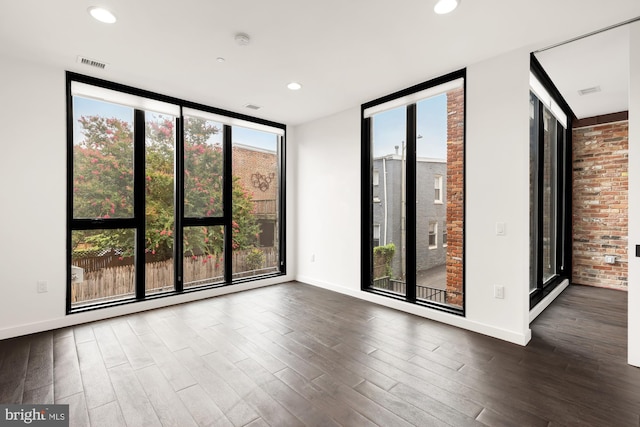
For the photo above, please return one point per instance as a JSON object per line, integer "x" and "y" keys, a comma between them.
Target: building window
{"x": 161, "y": 201}
{"x": 438, "y": 189}
{"x": 433, "y": 232}
{"x": 550, "y": 196}
{"x": 376, "y": 235}
{"x": 444, "y": 234}
{"x": 414, "y": 138}
{"x": 376, "y": 177}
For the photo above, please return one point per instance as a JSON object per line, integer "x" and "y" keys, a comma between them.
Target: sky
{"x": 91, "y": 107}
{"x": 389, "y": 129}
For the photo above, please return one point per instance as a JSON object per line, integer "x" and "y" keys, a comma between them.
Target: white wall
{"x": 328, "y": 200}
{"x": 634, "y": 195}
{"x": 33, "y": 214}
{"x": 497, "y": 179}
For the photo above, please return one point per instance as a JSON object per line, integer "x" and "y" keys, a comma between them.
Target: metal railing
{"x": 422, "y": 292}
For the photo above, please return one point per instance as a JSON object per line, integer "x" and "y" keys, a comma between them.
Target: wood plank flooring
{"x": 293, "y": 354}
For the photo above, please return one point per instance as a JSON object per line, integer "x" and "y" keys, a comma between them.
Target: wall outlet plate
{"x": 42, "y": 286}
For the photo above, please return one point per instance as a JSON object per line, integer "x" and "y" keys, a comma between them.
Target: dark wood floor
{"x": 293, "y": 354}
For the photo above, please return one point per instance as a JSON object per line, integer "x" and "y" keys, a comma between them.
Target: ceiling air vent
{"x": 589, "y": 90}
{"x": 252, "y": 107}
{"x": 91, "y": 62}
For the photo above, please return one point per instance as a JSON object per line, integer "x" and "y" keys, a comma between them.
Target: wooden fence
{"x": 112, "y": 277}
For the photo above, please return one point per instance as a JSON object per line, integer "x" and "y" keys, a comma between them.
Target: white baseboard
{"x": 542, "y": 305}
{"x": 110, "y": 312}
{"x": 439, "y": 316}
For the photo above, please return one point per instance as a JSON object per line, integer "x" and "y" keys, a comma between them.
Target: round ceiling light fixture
{"x": 294, "y": 86}
{"x": 445, "y": 6}
{"x": 101, "y": 14}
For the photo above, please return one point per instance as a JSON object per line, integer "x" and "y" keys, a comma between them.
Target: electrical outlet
{"x": 498, "y": 292}
{"x": 610, "y": 259}
{"x": 42, "y": 286}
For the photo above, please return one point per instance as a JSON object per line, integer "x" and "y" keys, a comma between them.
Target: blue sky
{"x": 91, "y": 107}
{"x": 389, "y": 129}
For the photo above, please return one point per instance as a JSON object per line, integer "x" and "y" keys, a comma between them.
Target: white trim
{"x": 85, "y": 90}
{"x": 125, "y": 309}
{"x": 231, "y": 121}
{"x": 545, "y": 97}
{"x": 546, "y": 302}
{"x": 427, "y": 313}
{"x": 414, "y": 97}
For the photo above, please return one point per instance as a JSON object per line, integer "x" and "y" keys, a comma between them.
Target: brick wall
{"x": 257, "y": 170}
{"x": 600, "y": 190}
{"x": 455, "y": 195}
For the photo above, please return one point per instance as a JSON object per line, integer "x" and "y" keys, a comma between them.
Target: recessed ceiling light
{"x": 445, "y": 6}
{"x": 220, "y": 59}
{"x": 294, "y": 86}
{"x": 102, "y": 15}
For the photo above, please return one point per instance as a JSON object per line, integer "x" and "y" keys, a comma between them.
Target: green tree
{"x": 103, "y": 186}
{"x": 103, "y": 169}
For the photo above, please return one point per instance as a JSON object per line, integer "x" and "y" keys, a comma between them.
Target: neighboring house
{"x": 431, "y": 240}
{"x": 257, "y": 169}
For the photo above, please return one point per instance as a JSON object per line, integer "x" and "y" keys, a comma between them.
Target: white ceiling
{"x": 600, "y": 60}
{"x": 344, "y": 52}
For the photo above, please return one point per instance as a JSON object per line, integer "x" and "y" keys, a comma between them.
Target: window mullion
{"x": 139, "y": 173}
{"x": 410, "y": 205}
{"x": 227, "y": 204}
{"x": 540, "y": 198}
{"x": 282, "y": 206}
{"x": 178, "y": 244}
{"x": 560, "y": 194}
{"x": 366, "y": 271}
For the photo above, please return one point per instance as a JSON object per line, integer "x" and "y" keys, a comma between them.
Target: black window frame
{"x": 564, "y": 194}
{"x": 367, "y": 165}
{"x": 138, "y": 221}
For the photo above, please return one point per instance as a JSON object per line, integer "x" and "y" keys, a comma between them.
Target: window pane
{"x": 102, "y": 266}
{"x": 160, "y": 138}
{"x": 203, "y": 262}
{"x": 256, "y": 219}
{"x": 444, "y": 234}
{"x": 389, "y": 158}
{"x": 549, "y": 197}
{"x": 533, "y": 187}
{"x": 203, "y": 168}
{"x": 102, "y": 160}
{"x": 440, "y": 155}
{"x": 433, "y": 229}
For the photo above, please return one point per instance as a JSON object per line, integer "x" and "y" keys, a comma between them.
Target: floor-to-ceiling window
{"x": 166, "y": 196}
{"x": 413, "y": 194}
{"x": 550, "y": 196}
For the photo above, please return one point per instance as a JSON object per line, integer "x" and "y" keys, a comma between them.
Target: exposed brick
{"x": 600, "y": 203}
{"x": 455, "y": 195}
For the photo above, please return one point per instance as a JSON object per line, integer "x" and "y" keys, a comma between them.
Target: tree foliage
{"x": 103, "y": 187}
